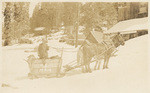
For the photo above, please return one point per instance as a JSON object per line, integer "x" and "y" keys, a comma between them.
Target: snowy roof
{"x": 130, "y": 25}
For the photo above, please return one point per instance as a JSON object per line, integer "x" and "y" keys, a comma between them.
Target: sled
{"x": 47, "y": 68}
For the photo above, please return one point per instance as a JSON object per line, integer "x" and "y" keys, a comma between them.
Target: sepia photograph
{"x": 74, "y": 47}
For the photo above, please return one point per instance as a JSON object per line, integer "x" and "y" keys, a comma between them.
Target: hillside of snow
{"x": 127, "y": 73}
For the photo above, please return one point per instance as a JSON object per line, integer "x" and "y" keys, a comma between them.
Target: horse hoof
{"x": 83, "y": 71}
{"x": 90, "y": 71}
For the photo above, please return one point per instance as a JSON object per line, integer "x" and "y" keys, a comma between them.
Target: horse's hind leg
{"x": 83, "y": 70}
{"x": 86, "y": 68}
{"x": 99, "y": 65}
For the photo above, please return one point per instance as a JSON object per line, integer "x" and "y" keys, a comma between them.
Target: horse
{"x": 95, "y": 50}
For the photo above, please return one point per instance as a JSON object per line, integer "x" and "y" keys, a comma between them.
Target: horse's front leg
{"x": 105, "y": 58}
{"x": 97, "y": 65}
{"x": 107, "y": 61}
{"x": 99, "y": 62}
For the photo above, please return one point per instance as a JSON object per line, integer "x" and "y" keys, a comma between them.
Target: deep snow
{"x": 127, "y": 73}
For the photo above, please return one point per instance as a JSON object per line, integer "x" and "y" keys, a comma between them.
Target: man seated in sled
{"x": 43, "y": 49}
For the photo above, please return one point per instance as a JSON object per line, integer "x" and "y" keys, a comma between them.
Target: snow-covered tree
{"x": 48, "y": 14}
{"x": 8, "y": 17}
{"x": 16, "y": 21}
{"x": 97, "y": 15}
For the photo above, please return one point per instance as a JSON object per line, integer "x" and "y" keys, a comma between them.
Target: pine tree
{"x": 21, "y": 19}
{"x": 70, "y": 13}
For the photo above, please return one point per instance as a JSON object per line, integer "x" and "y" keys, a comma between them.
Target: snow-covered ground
{"x": 127, "y": 73}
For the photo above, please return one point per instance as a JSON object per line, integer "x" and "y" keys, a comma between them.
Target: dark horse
{"x": 98, "y": 51}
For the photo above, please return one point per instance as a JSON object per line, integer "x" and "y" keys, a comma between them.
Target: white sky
{"x": 31, "y": 8}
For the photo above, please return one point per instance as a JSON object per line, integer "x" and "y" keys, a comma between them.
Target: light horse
{"x": 95, "y": 50}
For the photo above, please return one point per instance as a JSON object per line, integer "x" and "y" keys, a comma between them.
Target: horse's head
{"x": 121, "y": 39}
{"x": 118, "y": 40}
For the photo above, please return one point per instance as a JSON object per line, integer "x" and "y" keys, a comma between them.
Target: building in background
{"x": 132, "y": 10}
{"x": 130, "y": 28}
